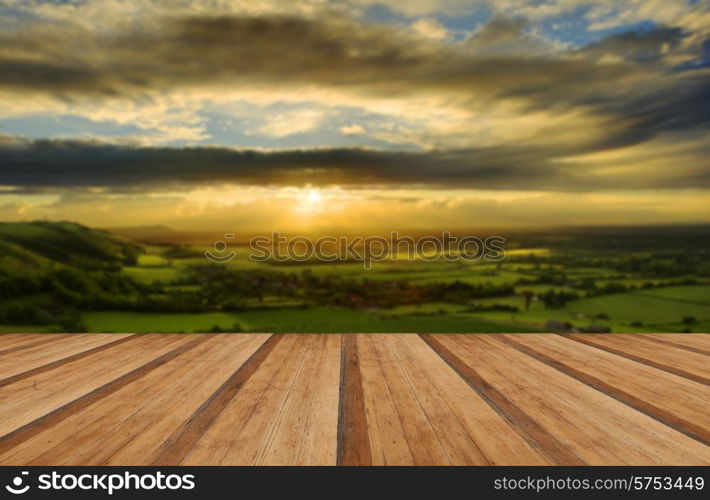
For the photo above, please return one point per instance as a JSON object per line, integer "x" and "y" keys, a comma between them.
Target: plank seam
{"x": 353, "y": 439}
{"x": 698, "y": 350}
{"x": 74, "y": 357}
{"x": 254, "y": 405}
{"x": 639, "y": 359}
{"x": 21, "y": 347}
{"x": 530, "y": 430}
{"x": 17, "y": 436}
{"x": 694, "y": 431}
{"x": 176, "y": 447}
{"x": 443, "y": 447}
{"x": 79, "y": 449}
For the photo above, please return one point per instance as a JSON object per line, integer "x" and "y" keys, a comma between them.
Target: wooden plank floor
{"x": 380, "y": 399}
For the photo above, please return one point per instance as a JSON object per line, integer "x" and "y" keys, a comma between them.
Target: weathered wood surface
{"x": 381, "y": 399}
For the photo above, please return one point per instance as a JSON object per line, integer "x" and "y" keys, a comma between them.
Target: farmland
{"x": 78, "y": 279}
{"x": 313, "y": 320}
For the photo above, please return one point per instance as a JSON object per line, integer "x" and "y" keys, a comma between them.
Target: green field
{"x": 658, "y": 310}
{"x": 129, "y": 322}
{"x": 634, "y": 306}
{"x": 690, "y": 294}
{"x": 66, "y": 277}
{"x": 152, "y": 274}
{"x": 316, "y": 320}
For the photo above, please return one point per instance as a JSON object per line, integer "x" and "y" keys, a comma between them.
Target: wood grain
{"x": 697, "y": 342}
{"x": 51, "y": 411}
{"x": 353, "y": 441}
{"x": 534, "y": 433}
{"x": 676, "y": 401}
{"x": 355, "y": 399}
{"x": 691, "y": 365}
{"x": 35, "y": 358}
{"x": 595, "y": 427}
{"x": 181, "y": 441}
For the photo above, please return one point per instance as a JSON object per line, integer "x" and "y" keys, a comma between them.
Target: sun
{"x": 310, "y": 200}
{"x": 313, "y": 197}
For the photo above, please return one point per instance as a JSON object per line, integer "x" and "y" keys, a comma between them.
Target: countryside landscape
{"x": 354, "y": 233}
{"x": 135, "y": 134}
{"x": 66, "y": 277}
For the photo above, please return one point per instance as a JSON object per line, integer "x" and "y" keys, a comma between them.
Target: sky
{"x": 355, "y": 115}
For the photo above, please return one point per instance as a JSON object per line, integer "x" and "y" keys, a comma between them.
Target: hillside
{"x": 35, "y": 244}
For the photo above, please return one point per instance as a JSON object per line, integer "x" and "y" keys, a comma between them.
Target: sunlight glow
{"x": 310, "y": 201}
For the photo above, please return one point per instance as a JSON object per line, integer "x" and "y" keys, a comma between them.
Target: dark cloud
{"x": 70, "y": 163}
{"x": 71, "y": 62}
{"x": 685, "y": 107}
{"x": 274, "y": 50}
{"x": 46, "y": 165}
{"x": 638, "y": 46}
{"x": 66, "y": 61}
{"x": 499, "y": 29}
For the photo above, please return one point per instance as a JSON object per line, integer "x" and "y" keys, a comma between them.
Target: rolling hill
{"x": 36, "y": 244}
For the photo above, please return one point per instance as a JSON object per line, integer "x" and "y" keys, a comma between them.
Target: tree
{"x": 528, "y": 297}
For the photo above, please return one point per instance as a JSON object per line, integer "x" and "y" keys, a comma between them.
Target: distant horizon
{"x": 153, "y": 232}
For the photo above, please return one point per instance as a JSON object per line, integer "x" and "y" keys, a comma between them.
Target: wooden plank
{"x": 674, "y": 360}
{"x": 471, "y": 430}
{"x": 403, "y": 400}
{"x": 294, "y": 430}
{"x": 58, "y": 413}
{"x": 36, "y": 358}
{"x": 597, "y": 428}
{"x": 144, "y": 447}
{"x": 248, "y": 445}
{"x": 60, "y": 443}
{"x": 698, "y": 340}
{"x": 215, "y": 439}
{"x": 694, "y": 342}
{"x": 458, "y": 445}
{"x": 543, "y": 441}
{"x": 306, "y": 431}
{"x": 183, "y": 439}
{"x": 419, "y": 433}
{"x": 353, "y": 442}
{"x": 17, "y": 342}
{"x": 676, "y": 401}
{"x": 175, "y": 398}
{"x": 30, "y": 398}
{"x": 8, "y": 340}
{"x": 320, "y": 440}
{"x": 279, "y": 418}
{"x": 387, "y": 436}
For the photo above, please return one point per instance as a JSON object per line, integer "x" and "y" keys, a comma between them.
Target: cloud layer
{"x": 41, "y": 165}
{"x": 503, "y": 107}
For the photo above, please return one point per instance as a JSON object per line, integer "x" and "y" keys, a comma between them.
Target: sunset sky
{"x": 358, "y": 114}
